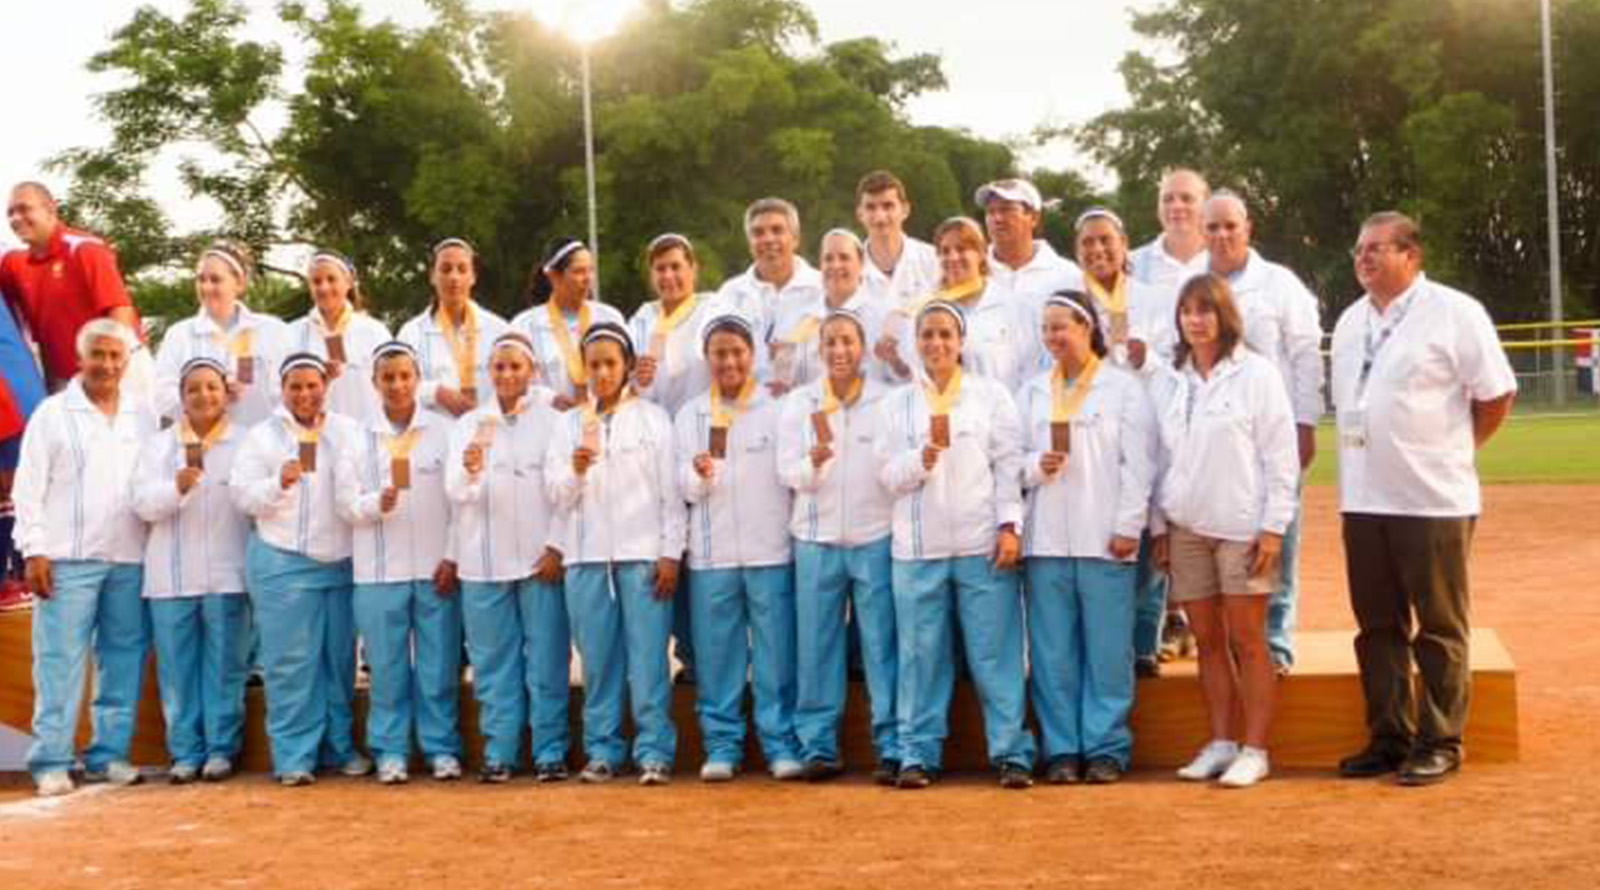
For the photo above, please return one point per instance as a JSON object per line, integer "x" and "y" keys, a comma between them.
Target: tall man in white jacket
{"x": 1179, "y": 252}
{"x": 85, "y": 549}
{"x": 1420, "y": 381}
{"x": 1280, "y": 324}
{"x": 777, "y": 274}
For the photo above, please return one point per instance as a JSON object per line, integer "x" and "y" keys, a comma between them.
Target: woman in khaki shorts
{"x": 1225, "y": 496}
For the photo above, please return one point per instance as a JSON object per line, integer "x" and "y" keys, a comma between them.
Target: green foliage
{"x": 1321, "y": 113}
{"x": 471, "y": 125}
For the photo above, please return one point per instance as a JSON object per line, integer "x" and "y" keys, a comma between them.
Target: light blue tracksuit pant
{"x": 829, "y": 580}
{"x": 928, "y": 593}
{"x": 94, "y": 603}
{"x": 744, "y": 625}
{"x": 202, "y": 660}
{"x": 1282, "y": 608}
{"x": 1080, "y": 636}
{"x": 1150, "y": 602}
{"x": 307, "y": 639}
{"x": 412, "y": 639}
{"x": 519, "y": 642}
{"x": 621, "y": 631}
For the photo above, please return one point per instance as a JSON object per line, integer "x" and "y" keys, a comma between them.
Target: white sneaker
{"x": 1213, "y": 760}
{"x": 717, "y": 771}
{"x": 217, "y": 768}
{"x": 446, "y": 768}
{"x": 121, "y": 772}
{"x": 655, "y": 774}
{"x": 358, "y": 765}
{"x": 788, "y": 770}
{"x": 55, "y": 784}
{"x": 1247, "y": 769}
{"x": 392, "y": 772}
{"x": 182, "y": 773}
{"x": 297, "y": 778}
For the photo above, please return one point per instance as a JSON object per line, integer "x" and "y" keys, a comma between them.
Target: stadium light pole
{"x": 1552, "y": 206}
{"x": 586, "y": 22}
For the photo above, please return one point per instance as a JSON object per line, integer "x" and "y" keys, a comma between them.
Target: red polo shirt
{"x": 72, "y": 282}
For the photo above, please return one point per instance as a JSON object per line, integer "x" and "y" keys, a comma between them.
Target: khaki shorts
{"x": 1205, "y": 567}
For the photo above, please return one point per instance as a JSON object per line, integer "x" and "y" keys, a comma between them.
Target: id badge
{"x": 1353, "y": 429}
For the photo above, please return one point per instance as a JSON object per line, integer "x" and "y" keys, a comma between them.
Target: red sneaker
{"x": 15, "y": 596}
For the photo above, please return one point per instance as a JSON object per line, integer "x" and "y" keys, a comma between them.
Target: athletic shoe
{"x": 1147, "y": 667}
{"x": 821, "y": 769}
{"x": 1066, "y": 769}
{"x": 1247, "y": 769}
{"x": 597, "y": 772}
{"x": 122, "y": 773}
{"x": 446, "y": 768}
{"x": 555, "y": 771}
{"x": 717, "y": 771}
{"x": 54, "y": 784}
{"x": 297, "y": 778}
{"x": 887, "y": 773}
{"x": 182, "y": 773}
{"x": 357, "y": 766}
{"x": 655, "y": 774}
{"x": 1102, "y": 771}
{"x": 787, "y": 769}
{"x": 1015, "y": 777}
{"x": 15, "y": 596}
{"x": 1213, "y": 760}
{"x": 494, "y": 773}
{"x": 392, "y": 771}
{"x": 217, "y": 768}
{"x": 914, "y": 778}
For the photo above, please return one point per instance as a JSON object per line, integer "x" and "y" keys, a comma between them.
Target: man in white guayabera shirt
{"x": 1281, "y": 324}
{"x": 1420, "y": 382}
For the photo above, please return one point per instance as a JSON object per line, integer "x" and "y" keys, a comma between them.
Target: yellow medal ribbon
{"x": 1115, "y": 300}
{"x": 832, "y": 403}
{"x": 721, "y": 414}
{"x": 337, "y": 328}
{"x": 942, "y": 402}
{"x": 569, "y": 350}
{"x": 188, "y": 436}
{"x": 463, "y": 343}
{"x": 804, "y": 331}
{"x": 400, "y": 445}
{"x": 1065, "y": 401}
{"x": 307, "y": 434}
{"x": 667, "y": 322}
{"x": 238, "y": 345}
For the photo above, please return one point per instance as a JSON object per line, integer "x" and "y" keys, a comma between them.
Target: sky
{"x": 1011, "y": 65}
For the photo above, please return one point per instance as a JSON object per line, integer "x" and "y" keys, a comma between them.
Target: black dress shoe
{"x": 1015, "y": 777}
{"x": 887, "y": 773}
{"x": 1369, "y": 762}
{"x": 1065, "y": 769}
{"x": 1429, "y": 767}
{"x": 819, "y": 769}
{"x": 914, "y": 778}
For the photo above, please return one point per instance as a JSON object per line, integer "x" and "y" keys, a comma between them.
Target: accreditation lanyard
{"x": 570, "y": 355}
{"x": 463, "y": 342}
{"x": 1067, "y": 400}
{"x": 1377, "y": 336}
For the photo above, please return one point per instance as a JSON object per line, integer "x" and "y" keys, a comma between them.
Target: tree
{"x": 470, "y": 126}
{"x": 1320, "y": 113}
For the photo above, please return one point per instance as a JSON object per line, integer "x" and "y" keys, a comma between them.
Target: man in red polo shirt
{"x": 63, "y": 279}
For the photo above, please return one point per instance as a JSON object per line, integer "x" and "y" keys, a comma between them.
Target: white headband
{"x": 515, "y": 340}
{"x": 326, "y": 256}
{"x": 303, "y": 360}
{"x": 945, "y": 306}
{"x": 1098, "y": 213}
{"x": 665, "y": 238}
{"x": 563, "y": 253}
{"x": 230, "y": 259}
{"x": 1067, "y": 302}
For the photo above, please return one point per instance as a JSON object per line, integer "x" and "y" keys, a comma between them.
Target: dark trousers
{"x": 1408, "y": 589}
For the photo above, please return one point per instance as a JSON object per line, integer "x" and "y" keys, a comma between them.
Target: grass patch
{"x": 1529, "y": 448}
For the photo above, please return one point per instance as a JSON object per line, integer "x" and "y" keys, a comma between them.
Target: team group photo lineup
{"x": 1044, "y": 469}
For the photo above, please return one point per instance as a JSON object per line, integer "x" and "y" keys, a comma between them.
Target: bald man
{"x": 61, "y": 279}
{"x": 1280, "y": 323}
{"x": 1179, "y": 252}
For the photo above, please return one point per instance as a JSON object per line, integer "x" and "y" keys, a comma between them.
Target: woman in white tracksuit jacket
{"x": 840, "y": 524}
{"x": 951, "y": 447}
{"x": 1226, "y": 495}
{"x": 194, "y": 576}
{"x": 297, "y": 570}
{"x": 1090, "y": 462}
{"x": 344, "y": 335}
{"x": 741, "y": 579}
{"x": 509, "y": 549}
{"x": 391, "y": 490}
{"x": 611, "y": 467}
{"x": 454, "y": 336}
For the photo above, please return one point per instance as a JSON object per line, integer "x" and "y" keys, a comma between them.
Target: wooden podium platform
{"x": 1320, "y": 714}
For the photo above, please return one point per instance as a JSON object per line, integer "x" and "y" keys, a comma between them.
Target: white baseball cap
{"x": 1019, "y": 190}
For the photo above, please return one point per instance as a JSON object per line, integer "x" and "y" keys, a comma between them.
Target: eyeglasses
{"x": 1376, "y": 247}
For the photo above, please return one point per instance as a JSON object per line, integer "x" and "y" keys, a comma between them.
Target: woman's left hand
{"x": 1265, "y": 553}
{"x": 1122, "y": 546}
{"x": 549, "y": 569}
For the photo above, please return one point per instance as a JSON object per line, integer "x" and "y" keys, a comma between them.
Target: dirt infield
{"x": 1532, "y": 825}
